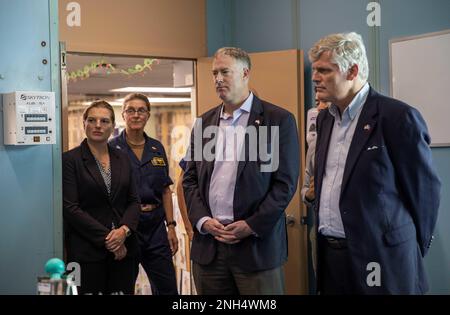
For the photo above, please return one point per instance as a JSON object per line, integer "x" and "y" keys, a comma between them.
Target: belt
{"x": 149, "y": 208}
{"x": 334, "y": 242}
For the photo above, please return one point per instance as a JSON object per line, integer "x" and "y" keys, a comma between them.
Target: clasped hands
{"x": 231, "y": 234}
{"x": 115, "y": 243}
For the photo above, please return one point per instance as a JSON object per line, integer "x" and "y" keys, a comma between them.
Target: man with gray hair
{"x": 377, "y": 191}
{"x": 236, "y": 205}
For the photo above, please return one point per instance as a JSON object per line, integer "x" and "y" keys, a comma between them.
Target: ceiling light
{"x": 162, "y": 100}
{"x": 144, "y": 89}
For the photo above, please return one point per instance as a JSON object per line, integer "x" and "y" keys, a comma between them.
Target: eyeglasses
{"x": 132, "y": 111}
{"x": 93, "y": 121}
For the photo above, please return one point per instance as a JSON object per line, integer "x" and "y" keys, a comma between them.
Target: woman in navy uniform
{"x": 150, "y": 167}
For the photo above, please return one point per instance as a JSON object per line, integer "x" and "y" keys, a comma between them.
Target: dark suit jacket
{"x": 389, "y": 196}
{"x": 260, "y": 198}
{"x": 89, "y": 211}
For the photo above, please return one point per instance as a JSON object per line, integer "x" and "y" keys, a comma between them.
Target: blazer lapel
{"x": 213, "y": 120}
{"x": 366, "y": 125}
{"x": 326, "y": 127}
{"x": 92, "y": 167}
{"x": 255, "y": 120}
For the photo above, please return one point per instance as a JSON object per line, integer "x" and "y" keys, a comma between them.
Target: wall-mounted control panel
{"x": 29, "y": 118}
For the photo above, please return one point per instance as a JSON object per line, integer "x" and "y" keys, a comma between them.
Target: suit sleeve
{"x": 131, "y": 215}
{"x": 197, "y": 208}
{"x": 78, "y": 219}
{"x": 284, "y": 180}
{"x": 420, "y": 185}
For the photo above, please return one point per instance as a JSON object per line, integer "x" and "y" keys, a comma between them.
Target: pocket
{"x": 400, "y": 235}
{"x": 155, "y": 176}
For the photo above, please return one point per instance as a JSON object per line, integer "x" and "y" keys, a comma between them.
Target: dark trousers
{"x": 334, "y": 267}
{"x": 108, "y": 276}
{"x": 156, "y": 259}
{"x": 222, "y": 278}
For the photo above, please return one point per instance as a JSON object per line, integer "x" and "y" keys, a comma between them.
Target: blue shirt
{"x": 330, "y": 221}
{"x": 229, "y": 143}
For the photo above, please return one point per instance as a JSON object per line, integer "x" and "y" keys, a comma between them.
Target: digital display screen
{"x": 35, "y": 117}
{"x": 36, "y": 130}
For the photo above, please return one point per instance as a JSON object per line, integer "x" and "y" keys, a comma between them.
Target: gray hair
{"x": 236, "y": 53}
{"x": 347, "y": 49}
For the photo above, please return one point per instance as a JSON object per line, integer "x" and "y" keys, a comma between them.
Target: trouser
{"x": 334, "y": 266}
{"x": 108, "y": 276}
{"x": 222, "y": 278}
{"x": 156, "y": 259}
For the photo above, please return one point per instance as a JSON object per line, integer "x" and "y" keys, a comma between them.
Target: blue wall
{"x": 264, "y": 25}
{"x": 255, "y": 21}
{"x": 402, "y": 18}
{"x": 30, "y": 228}
{"x": 219, "y": 21}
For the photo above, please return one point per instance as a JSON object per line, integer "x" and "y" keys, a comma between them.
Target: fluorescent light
{"x": 161, "y": 100}
{"x": 169, "y": 99}
{"x": 144, "y": 89}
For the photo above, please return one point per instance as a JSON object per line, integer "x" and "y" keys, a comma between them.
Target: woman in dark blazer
{"x": 101, "y": 208}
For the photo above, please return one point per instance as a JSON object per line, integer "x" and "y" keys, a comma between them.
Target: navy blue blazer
{"x": 389, "y": 196}
{"x": 260, "y": 198}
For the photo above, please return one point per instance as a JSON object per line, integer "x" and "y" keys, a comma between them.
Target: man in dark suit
{"x": 237, "y": 186}
{"x": 377, "y": 191}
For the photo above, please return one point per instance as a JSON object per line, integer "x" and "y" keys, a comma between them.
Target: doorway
{"x": 170, "y": 86}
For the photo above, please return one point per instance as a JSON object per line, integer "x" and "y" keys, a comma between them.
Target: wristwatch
{"x": 174, "y": 223}
{"x": 127, "y": 230}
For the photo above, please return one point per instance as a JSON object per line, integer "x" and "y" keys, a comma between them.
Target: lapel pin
{"x": 257, "y": 122}
{"x": 367, "y": 127}
{"x": 154, "y": 148}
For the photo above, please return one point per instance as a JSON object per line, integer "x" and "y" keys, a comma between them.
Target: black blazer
{"x": 260, "y": 198}
{"x": 88, "y": 210}
{"x": 389, "y": 196}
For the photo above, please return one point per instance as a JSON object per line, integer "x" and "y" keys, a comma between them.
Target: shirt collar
{"x": 245, "y": 107}
{"x": 355, "y": 105}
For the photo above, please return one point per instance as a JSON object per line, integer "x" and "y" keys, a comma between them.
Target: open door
{"x": 276, "y": 77}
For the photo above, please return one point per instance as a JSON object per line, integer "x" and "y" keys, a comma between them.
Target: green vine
{"x": 86, "y": 71}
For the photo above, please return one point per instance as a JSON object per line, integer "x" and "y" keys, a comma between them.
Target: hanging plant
{"x": 94, "y": 66}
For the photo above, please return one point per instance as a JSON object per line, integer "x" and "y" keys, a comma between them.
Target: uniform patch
{"x": 158, "y": 161}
